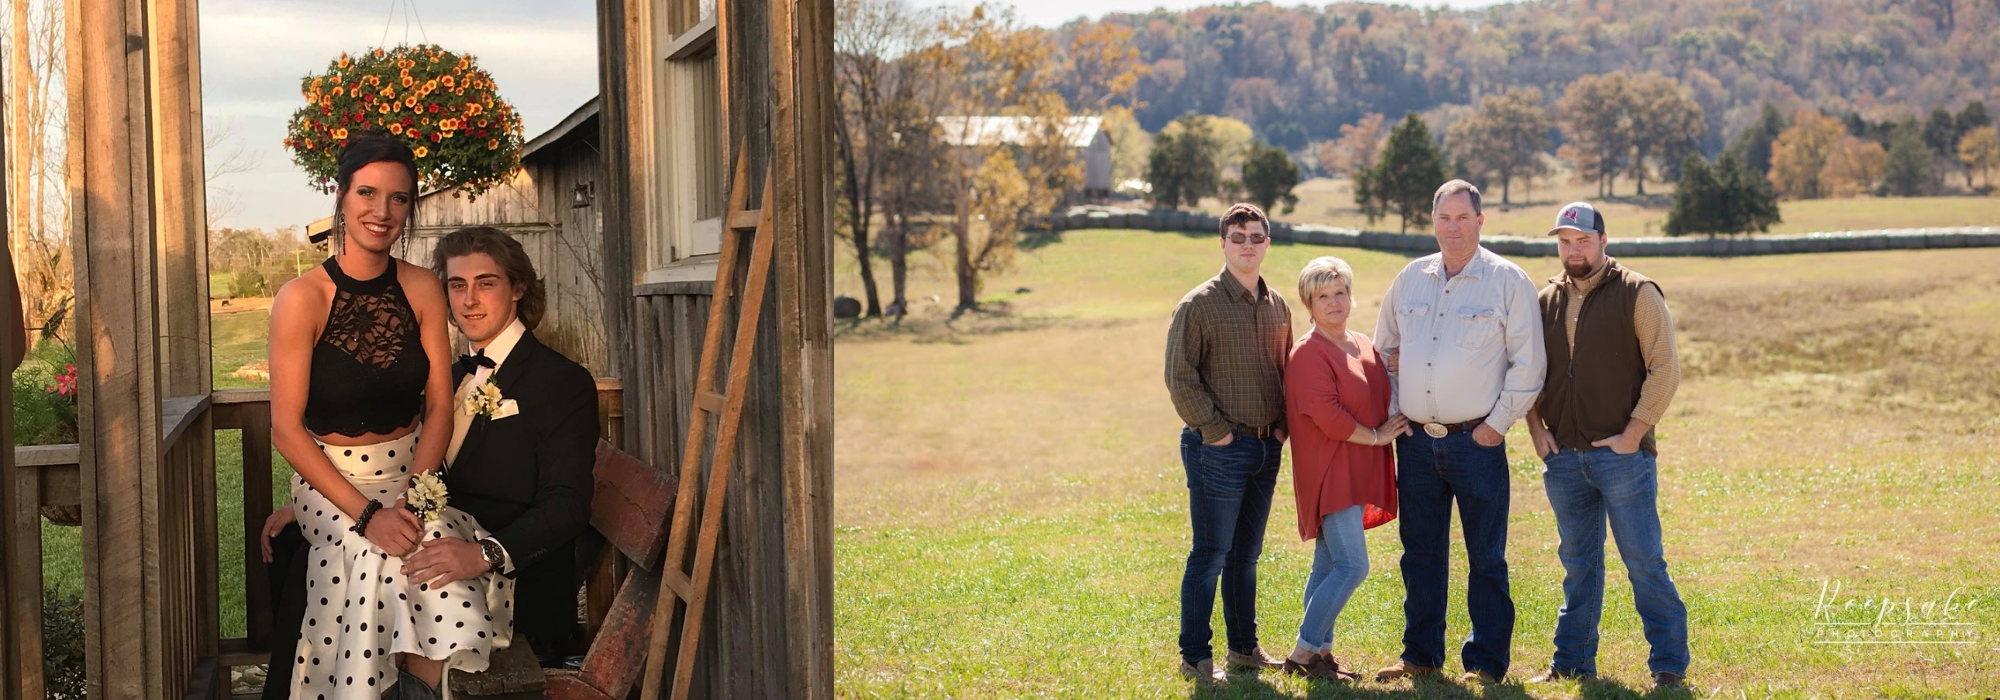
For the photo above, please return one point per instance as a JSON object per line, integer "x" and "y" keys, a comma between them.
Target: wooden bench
{"x": 631, "y": 505}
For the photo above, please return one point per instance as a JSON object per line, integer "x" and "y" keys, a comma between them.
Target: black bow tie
{"x": 471, "y": 363}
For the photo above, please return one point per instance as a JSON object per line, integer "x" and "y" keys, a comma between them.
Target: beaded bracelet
{"x": 361, "y": 521}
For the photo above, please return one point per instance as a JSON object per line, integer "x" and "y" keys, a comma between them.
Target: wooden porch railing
{"x": 191, "y": 650}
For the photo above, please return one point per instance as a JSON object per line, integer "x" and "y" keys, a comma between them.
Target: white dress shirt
{"x": 497, "y": 351}
{"x": 1469, "y": 346}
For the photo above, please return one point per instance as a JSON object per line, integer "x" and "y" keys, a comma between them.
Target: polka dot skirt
{"x": 360, "y": 610}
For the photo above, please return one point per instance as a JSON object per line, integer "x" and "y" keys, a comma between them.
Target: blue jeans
{"x": 1229, "y": 501}
{"x": 1340, "y": 562}
{"x": 1431, "y": 474}
{"x": 1587, "y": 488}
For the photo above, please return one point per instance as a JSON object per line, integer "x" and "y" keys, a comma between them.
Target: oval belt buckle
{"x": 1436, "y": 430}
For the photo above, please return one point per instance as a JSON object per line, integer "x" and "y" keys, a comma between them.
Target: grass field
{"x": 1331, "y": 202}
{"x": 1011, "y": 507}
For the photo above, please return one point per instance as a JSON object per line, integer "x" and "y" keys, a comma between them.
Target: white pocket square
{"x": 507, "y": 408}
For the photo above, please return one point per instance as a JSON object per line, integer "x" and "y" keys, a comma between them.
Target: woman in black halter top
{"x": 361, "y": 402}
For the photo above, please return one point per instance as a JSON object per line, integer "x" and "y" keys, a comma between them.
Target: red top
{"x": 1327, "y": 393}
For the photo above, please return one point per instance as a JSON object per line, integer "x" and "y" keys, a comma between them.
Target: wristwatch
{"x": 489, "y": 548}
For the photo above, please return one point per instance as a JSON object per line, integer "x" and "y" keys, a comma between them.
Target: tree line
{"x": 1297, "y": 74}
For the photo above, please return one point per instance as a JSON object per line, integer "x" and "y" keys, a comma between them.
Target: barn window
{"x": 689, "y": 188}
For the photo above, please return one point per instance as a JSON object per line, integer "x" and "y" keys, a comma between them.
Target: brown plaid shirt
{"x": 1226, "y": 357}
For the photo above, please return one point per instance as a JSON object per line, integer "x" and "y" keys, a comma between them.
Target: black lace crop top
{"x": 369, "y": 366}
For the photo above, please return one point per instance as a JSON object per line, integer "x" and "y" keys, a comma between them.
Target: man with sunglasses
{"x": 1225, "y": 370}
{"x": 1463, "y": 333}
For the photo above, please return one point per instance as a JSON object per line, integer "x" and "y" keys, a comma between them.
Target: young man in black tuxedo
{"x": 525, "y": 470}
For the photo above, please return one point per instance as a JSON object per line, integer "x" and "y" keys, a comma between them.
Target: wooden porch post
{"x": 802, "y": 61}
{"x": 118, "y": 414}
{"x": 20, "y": 521}
{"x": 180, "y": 206}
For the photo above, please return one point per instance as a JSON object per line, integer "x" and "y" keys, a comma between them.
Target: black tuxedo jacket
{"x": 527, "y": 478}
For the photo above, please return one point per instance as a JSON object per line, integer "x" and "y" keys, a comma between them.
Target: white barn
{"x": 1087, "y": 134}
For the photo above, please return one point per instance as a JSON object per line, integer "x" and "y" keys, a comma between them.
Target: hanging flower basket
{"x": 438, "y": 102}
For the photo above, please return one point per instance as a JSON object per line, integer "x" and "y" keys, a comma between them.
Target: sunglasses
{"x": 1253, "y": 238}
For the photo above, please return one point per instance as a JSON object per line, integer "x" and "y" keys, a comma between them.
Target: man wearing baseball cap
{"x": 1611, "y": 374}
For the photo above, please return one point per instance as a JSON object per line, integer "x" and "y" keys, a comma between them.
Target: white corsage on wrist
{"x": 427, "y": 496}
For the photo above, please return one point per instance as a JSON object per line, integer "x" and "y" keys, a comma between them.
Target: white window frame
{"x": 688, "y": 196}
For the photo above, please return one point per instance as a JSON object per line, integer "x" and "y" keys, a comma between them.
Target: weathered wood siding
{"x": 768, "y": 629}
{"x": 564, "y": 241}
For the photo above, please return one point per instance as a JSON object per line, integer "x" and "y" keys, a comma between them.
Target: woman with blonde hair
{"x": 1339, "y": 404}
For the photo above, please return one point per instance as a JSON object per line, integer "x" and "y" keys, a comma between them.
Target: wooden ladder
{"x": 690, "y": 589}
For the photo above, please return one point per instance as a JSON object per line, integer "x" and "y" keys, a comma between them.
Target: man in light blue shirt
{"x": 1463, "y": 331}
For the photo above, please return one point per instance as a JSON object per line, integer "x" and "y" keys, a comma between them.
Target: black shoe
{"x": 1553, "y": 676}
{"x": 1669, "y": 681}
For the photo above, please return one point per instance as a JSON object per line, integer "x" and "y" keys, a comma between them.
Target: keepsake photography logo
{"x": 1839, "y": 616}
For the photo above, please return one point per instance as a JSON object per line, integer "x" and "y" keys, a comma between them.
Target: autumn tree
{"x": 1799, "y": 155}
{"x": 1852, "y": 167}
{"x": 869, "y": 36}
{"x": 36, "y": 123}
{"x": 1402, "y": 182}
{"x": 1355, "y": 150}
{"x": 1009, "y": 171}
{"x": 1979, "y": 150}
{"x": 1182, "y": 167}
{"x": 1269, "y": 176}
{"x": 1102, "y": 68}
{"x": 919, "y": 91}
{"x": 1593, "y": 118}
{"x": 1504, "y": 139}
{"x": 1130, "y": 143}
{"x": 1664, "y": 124}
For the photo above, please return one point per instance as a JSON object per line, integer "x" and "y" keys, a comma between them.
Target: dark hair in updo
{"x": 371, "y": 147}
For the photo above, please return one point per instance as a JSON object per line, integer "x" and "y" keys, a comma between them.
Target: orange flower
{"x": 447, "y": 81}
{"x": 378, "y": 53}
{"x": 339, "y": 90}
{"x": 387, "y": 92}
{"x": 374, "y": 80}
{"x": 407, "y": 80}
{"x": 396, "y": 128}
{"x": 493, "y": 144}
{"x": 345, "y": 61}
{"x": 472, "y": 109}
{"x": 340, "y": 133}
{"x": 482, "y": 122}
{"x": 383, "y": 109}
{"x": 410, "y": 101}
{"x": 423, "y": 151}
{"x": 430, "y": 85}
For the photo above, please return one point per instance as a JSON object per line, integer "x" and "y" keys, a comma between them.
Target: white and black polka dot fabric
{"x": 360, "y": 610}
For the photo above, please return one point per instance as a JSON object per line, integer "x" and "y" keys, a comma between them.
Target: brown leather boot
{"x": 1404, "y": 669}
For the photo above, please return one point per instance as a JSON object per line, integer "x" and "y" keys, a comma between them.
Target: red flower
{"x": 66, "y": 382}
{"x": 409, "y": 120}
{"x": 434, "y": 137}
{"x": 434, "y": 109}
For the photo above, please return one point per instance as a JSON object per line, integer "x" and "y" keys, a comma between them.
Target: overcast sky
{"x": 543, "y": 54}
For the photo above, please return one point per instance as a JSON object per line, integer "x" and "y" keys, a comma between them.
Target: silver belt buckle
{"x": 1436, "y": 430}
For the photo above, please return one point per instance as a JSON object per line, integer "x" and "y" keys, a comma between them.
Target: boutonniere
{"x": 485, "y": 400}
{"x": 427, "y": 496}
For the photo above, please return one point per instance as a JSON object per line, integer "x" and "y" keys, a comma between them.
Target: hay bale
{"x": 846, "y": 307}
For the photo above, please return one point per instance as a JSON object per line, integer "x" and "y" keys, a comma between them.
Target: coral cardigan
{"x": 1328, "y": 393}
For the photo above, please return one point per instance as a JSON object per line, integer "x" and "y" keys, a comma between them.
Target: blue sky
{"x": 543, "y": 54}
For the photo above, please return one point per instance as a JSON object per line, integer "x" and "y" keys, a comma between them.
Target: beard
{"x": 1579, "y": 270}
